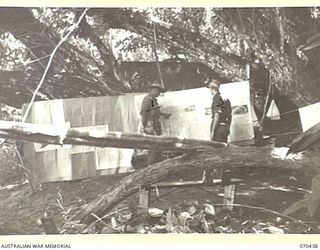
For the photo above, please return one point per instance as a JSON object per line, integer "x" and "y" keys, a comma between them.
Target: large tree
{"x": 223, "y": 39}
{"x": 282, "y": 42}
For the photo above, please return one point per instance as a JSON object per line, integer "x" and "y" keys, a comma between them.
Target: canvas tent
{"x": 191, "y": 112}
{"x": 308, "y": 116}
{"x": 56, "y": 163}
{"x": 191, "y": 117}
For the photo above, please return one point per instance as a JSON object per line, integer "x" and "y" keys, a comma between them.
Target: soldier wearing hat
{"x": 150, "y": 117}
{"x": 221, "y": 114}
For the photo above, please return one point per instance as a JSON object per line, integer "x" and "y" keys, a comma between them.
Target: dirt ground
{"x": 21, "y": 208}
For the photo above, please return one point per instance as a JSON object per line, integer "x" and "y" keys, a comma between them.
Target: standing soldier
{"x": 150, "y": 118}
{"x": 221, "y": 121}
{"x": 221, "y": 114}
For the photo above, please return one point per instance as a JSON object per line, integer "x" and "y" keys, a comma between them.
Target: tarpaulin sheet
{"x": 55, "y": 163}
{"x": 309, "y": 116}
{"x": 191, "y": 118}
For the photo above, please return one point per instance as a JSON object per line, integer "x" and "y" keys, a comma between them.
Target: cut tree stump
{"x": 144, "y": 196}
{"x": 229, "y": 197}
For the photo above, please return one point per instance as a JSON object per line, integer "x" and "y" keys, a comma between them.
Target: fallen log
{"x": 198, "y": 154}
{"x": 305, "y": 140}
{"x": 59, "y": 135}
{"x": 231, "y": 157}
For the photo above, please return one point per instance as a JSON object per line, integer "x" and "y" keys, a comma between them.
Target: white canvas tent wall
{"x": 309, "y": 116}
{"x": 191, "y": 117}
{"x": 191, "y": 112}
{"x": 54, "y": 163}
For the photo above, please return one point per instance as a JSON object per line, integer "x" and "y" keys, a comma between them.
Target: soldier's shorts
{"x": 221, "y": 134}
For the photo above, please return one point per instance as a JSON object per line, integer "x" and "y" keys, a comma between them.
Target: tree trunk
{"x": 59, "y": 135}
{"x": 232, "y": 157}
{"x": 199, "y": 154}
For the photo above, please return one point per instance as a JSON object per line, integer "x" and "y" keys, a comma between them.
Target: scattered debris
{"x": 205, "y": 218}
{"x": 155, "y": 212}
{"x": 209, "y": 209}
{"x": 176, "y": 213}
{"x": 275, "y": 230}
{"x": 282, "y": 154}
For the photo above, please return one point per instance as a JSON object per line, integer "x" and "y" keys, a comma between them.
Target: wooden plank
{"x": 233, "y": 181}
{"x": 177, "y": 184}
{"x": 192, "y": 183}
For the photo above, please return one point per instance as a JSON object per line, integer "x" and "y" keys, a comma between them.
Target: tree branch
{"x": 49, "y": 63}
{"x": 119, "y": 84}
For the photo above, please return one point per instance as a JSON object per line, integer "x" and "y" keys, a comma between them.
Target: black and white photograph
{"x": 153, "y": 120}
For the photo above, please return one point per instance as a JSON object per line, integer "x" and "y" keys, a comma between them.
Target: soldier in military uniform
{"x": 221, "y": 114}
{"x": 150, "y": 118}
{"x": 221, "y": 121}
